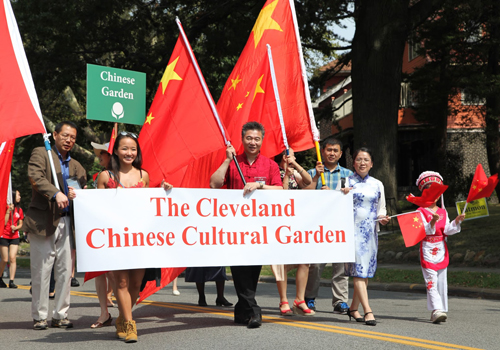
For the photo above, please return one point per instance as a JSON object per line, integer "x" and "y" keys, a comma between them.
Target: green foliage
{"x": 62, "y": 37}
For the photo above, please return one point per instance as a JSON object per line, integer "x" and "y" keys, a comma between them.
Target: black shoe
{"x": 2, "y": 284}
{"x": 255, "y": 321}
{"x": 74, "y": 282}
{"x": 341, "y": 308}
{"x": 349, "y": 313}
{"x": 12, "y": 285}
{"x": 239, "y": 320}
{"x": 202, "y": 301}
{"x": 370, "y": 322}
{"x": 222, "y": 302}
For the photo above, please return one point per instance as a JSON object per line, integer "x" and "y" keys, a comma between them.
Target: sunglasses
{"x": 130, "y": 134}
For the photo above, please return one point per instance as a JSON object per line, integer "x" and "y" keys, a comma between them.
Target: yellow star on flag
{"x": 474, "y": 187}
{"x": 234, "y": 82}
{"x": 415, "y": 219}
{"x": 258, "y": 89}
{"x": 240, "y": 106}
{"x": 248, "y": 93}
{"x": 169, "y": 74}
{"x": 265, "y": 22}
{"x": 149, "y": 118}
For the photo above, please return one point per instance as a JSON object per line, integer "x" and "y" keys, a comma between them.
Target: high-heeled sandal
{"x": 358, "y": 319}
{"x": 102, "y": 324}
{"x": 222, "y": 302}
{"x": 297, "y": 310}
{"x": 287, "y": 312}
{"x": 370, "y": 322}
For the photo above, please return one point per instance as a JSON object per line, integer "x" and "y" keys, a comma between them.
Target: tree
{"x": 61, "y": 37}
{"x": 462, "y": 46}
{"x": 382, "y": 29}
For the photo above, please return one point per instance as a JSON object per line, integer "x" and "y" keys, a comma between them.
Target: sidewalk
{"x": 465, "y": 292}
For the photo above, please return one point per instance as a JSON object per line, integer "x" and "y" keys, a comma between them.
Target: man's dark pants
{"x": 245, "y": 280}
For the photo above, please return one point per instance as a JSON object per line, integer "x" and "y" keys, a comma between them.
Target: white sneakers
{"x": 438, "y": 316}
{"x": 176, "y": 292}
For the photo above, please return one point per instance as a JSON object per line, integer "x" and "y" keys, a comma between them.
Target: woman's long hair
{"x": 16, "y": 204}
{"x": 115, "y": 161}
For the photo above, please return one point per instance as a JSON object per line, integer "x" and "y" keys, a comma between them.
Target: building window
{"x": 469, "y": 99}
{"x": 407, "y": 96}
{"x": 413, "y": 47}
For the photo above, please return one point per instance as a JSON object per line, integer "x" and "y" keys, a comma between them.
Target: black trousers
{"x": 245, "y": 280}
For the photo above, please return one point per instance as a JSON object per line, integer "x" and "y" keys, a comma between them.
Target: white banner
{"x": 139, "y": 228}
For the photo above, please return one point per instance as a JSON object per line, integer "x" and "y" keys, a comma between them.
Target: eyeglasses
{"x": 130, "y": 134}
{"x": 68, "y": 136}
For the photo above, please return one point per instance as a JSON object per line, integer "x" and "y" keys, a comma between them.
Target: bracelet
{"x": 261, "y": 185}
{"x": 301, "y": 170}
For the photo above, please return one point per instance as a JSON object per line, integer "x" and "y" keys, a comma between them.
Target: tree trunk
{"x": 493, "y": 100}
{"x": 382, "y": 28}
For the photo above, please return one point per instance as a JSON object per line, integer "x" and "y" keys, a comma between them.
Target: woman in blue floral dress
{"x": 369, "y": 206}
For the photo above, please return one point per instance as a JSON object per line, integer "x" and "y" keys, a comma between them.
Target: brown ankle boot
{"x": 120, "y": 328}
{"x": 131, "y": 330}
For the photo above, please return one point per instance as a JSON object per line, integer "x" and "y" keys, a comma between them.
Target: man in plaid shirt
{"x": 331, "y": 151}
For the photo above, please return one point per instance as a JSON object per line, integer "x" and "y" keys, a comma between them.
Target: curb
{"x": 477, "y": 293}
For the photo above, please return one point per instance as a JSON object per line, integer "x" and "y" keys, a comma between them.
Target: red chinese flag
{"x": 412, "y": 228}
{"x": 167, "y": 276}
{"x": 429, "y": 195}
{"x": 112, "y": 139}
{"x": 180, "y": 126}
{"x": 481, "y": 186}
{"x": 274, "y": 26}
{"x": 6, "y": 152}
{"x": 20, "y": 113}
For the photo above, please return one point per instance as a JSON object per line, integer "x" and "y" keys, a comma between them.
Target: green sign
{"x": 475, "y": 209}
{"x": 116, "y": 95}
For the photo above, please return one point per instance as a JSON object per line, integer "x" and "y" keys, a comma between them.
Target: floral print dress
{"x": 368, "y": 203}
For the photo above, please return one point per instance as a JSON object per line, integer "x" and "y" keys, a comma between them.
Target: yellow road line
{"x": 399, "y": 339}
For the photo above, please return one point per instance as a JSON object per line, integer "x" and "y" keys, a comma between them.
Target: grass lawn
{"x": 478, "y": 235}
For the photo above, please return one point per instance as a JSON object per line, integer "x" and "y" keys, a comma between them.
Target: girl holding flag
{"x": 434, "y": 256}
{"x": 9, "y": 239}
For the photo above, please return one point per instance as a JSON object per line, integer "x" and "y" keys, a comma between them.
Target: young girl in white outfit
{"x": 434, "y": 257}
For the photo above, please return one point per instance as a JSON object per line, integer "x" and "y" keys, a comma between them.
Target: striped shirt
{"x": 332, "y": 177}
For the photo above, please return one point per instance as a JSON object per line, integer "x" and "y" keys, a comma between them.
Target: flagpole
{"x": 9, "y": 197}
{"x": 312, "y": 122}
{"x": 410, "y": 212}
{"x": 51, "y": 160}
{"x": 277, "y": 96}
{"x": 207, "y": 93}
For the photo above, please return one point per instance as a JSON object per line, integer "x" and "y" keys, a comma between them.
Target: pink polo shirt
{"x": 262, "y": 167}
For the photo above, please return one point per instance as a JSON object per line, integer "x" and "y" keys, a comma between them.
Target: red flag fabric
{"x": 274, "y": 26}
{"x": 112, "y": 139}
{"x": 481, "y": 186}
{"x": 180, "y": 126}
{"x": 20, "y": 113}
{"x": 412, "y": 228}
{"x": 6, "y": 153}
{"x": 167, "y": 276}
{"x": 429, "y": 195}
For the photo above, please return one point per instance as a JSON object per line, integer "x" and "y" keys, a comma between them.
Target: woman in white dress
{"x": 369, "y": 206}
